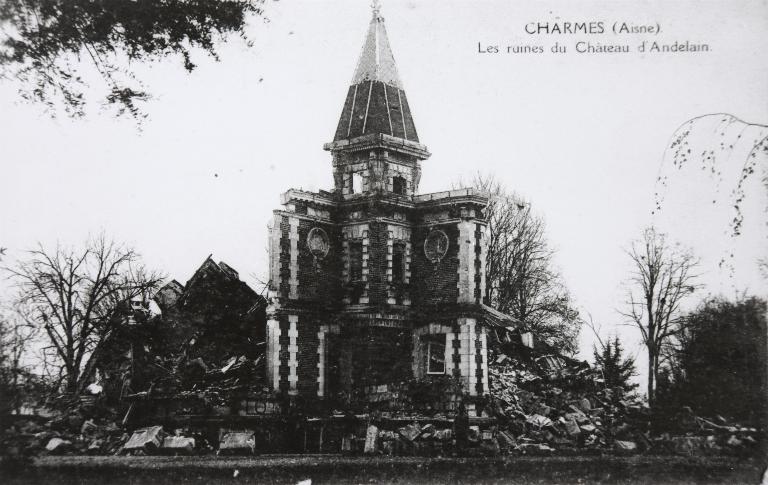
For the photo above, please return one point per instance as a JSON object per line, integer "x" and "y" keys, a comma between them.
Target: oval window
{"x": 318, "y": 242}
{"x": 436, "y": 245}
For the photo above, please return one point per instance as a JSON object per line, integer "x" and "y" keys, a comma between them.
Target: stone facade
{"x": 372, "y": 283}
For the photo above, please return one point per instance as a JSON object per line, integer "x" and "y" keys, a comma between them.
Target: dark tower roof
{"x": 376, "y": 102}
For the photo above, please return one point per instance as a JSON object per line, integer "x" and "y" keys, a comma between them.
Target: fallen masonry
{"x": 529, "y": 410}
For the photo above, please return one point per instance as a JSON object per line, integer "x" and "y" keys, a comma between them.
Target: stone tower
{"x": 372, "y": 283}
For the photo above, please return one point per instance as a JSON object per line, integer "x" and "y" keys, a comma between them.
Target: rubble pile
{"x": 71, "y": 435}
{"x": 545, "y": 408}
{"x": 695, "y": 435}
{"x": 547, "y": 405}
{"x": 196, "y": 388}
{"x": 418, "y": 439}
{"x": 537, "y": 405}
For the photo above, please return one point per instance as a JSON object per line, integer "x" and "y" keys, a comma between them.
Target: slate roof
{"x": 376, "y": 101}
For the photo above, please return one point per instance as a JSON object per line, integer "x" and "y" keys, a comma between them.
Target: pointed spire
{"x": 376, "y": 62}
{"x": 376, "y": 103}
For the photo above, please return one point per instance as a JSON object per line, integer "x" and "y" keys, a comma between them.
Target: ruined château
{"x": 373, "y": 283}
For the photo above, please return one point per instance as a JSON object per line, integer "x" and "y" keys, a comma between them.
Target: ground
{"x": 337, "y": 469}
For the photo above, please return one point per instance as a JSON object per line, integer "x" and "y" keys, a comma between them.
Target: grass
{"x": 337, "y": 469}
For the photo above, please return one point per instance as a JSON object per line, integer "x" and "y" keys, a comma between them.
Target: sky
{"x": 581, "y": 136}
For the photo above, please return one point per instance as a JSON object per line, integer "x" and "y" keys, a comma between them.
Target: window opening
{"x": 398, "y": 263}
{"x": 356, "y": 260}
{"x": 436, "y": 355}
{"x": 398, "y": 185}
{"x": 357, "y": 183}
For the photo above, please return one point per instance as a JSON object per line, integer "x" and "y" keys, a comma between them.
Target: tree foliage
{"x": 75, "y": 297}
{"x": 663, "y": 276}
{"x": 719, "y": 362}
{"x": 729, "y": 150}
{"x": 521, "y": 279}
{"x": 46, "y": 41}
{"x": 617, "y": 370}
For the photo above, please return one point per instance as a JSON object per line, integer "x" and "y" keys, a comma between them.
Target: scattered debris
{"x": 178, "y": 445}
{"x": 237, "y": 442}
{"x": 147, "y": 440}
{"x": 58, "y": 446}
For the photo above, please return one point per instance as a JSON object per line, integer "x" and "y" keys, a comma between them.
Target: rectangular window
{"x": 436, "y": 355}
{"x": 356, "y": 260}
{"x": 357, "y": 183}
{"x": 398, "y": 263}
{"x": 398, "y": 185}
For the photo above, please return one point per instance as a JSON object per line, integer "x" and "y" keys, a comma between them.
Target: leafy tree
{"x": 663, "y": 277}
{"x": 617, "y": 370}
{"x": 521, "y": 279}
{"x": 719, "y": 362}
{"x": 46, "y": 43}
{"x": 75, "y": 297}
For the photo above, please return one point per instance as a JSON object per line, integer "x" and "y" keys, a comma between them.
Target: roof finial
{"x": 376, "y": 7}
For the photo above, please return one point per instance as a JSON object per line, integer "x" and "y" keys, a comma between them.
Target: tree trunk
{"x": 651, "y": 378}
{"x": 73, "y": 376}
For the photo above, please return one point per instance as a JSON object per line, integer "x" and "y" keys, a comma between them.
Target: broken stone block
{"x": 711, "y": 443}
{"x": 625, "y": 445}
{"x": 95, "y": 446}
{"x": 539, "y": 420}
{"x": 535, "y": 447}
{"x": 178, "y": 444}
{"x": 572, "y": 428}
{"x": 688, "y": 444}
{"x": 410, "y": 432}
{"x": 238, "y": 442}
{"x": 371, "y": 440}
{"x": 88, "y": 428}
{"x": 588, "y": 428}
{"x": 506, "y": 440}
{"x": 734, "y": 441}
{"x": 474, "y": 434}
{"x": 58, "y": 445}
{"x": 577, "y": 414}
{"x": 585, "y": 405}
{"x": 146, "y": 439}
{"x": 544, "y": 410}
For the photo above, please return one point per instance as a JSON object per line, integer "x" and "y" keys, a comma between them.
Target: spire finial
{"x": 376, "y": 7}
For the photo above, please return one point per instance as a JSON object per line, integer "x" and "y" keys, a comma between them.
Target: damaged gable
{"x": 214, "y": 320}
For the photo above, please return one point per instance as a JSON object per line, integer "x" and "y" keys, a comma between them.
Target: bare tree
{"x": 597, "y": 330}
{"x": 663, "y": 276}
{"x": 76, "y": 298}
{"x": 520, "y": 276}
